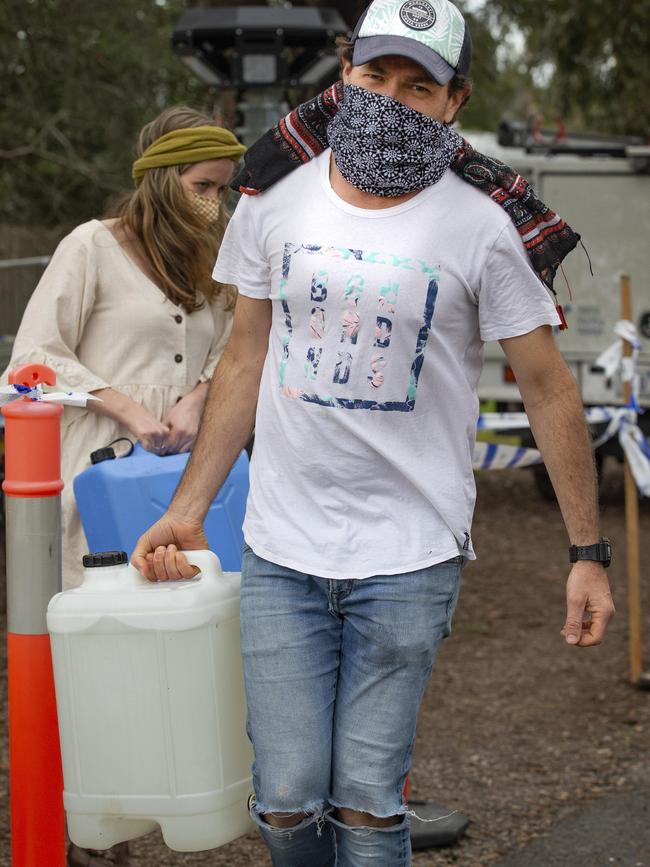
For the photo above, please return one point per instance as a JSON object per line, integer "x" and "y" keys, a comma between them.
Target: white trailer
{"x": 607, "y": 201}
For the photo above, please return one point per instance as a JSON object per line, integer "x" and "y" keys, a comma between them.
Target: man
{"x": 369, "y": 279}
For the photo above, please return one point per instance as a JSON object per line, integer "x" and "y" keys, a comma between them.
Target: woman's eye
{"x": 201, "y": 185}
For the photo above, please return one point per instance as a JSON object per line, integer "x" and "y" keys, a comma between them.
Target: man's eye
{"x": 418, "y": 89}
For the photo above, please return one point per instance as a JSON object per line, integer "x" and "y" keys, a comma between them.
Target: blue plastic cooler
{"x": 120, "y": 498}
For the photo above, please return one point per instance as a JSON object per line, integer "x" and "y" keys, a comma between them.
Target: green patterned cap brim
{"x": 373, "y": 47}
{"x": 433, "y": 33}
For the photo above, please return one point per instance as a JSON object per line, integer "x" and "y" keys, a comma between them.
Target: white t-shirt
{"x": 367, "y": 410}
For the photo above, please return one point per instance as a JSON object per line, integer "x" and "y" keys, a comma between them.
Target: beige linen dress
{"x": 99, "y": 321}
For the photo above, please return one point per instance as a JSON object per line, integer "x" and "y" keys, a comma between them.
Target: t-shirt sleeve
{"x": 241, "y": 261}
{"x": 512, "y": 299}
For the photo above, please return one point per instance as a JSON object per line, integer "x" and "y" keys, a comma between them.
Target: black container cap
{"x": 105, "y": 454}
{"x": 105, "y": 558}
{"x": 108, "y": 453}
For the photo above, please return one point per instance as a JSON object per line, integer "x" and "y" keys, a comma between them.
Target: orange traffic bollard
{"x": 32, "y": 490}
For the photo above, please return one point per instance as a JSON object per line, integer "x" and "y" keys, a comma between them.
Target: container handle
{"x": 207, "y": 562}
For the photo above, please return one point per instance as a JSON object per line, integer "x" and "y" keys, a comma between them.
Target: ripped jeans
{"x": 334, "y": 674}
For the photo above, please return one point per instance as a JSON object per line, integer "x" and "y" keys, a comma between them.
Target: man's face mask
{"x": 207, "y": 209}
{"x": 386, "y": 148}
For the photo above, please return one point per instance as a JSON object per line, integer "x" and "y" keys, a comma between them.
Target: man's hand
{"x": 158, "y": 552}
{"x": 587, "y": 593}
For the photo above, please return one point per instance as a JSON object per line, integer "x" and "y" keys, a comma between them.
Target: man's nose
{"x": 390, "y": 87}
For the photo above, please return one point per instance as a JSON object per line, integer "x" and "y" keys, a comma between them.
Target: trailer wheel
{"x": 543, "y": 481}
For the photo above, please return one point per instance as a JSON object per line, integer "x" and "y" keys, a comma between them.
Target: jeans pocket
{"x": 453, "y": 598}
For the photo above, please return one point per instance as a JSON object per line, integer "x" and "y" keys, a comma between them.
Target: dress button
{"x": 178, "y": 358}
{"x": 178, "y": 318}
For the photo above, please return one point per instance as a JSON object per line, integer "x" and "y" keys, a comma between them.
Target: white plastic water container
{"x": 150, "y": 697}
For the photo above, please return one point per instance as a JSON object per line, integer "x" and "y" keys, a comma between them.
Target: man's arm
{"x": 557, "y": 420}
{"x": 226, "y": 426}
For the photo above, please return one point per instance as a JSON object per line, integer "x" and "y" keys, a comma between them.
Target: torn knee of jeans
{"x": 312, "y": 812}
{"x": 392, "y": 811}
{"x": 362, "y": 832}
{"x": 401, "y": 816}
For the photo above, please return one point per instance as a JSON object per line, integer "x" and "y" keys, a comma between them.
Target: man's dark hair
{"x": 345, "y": 50}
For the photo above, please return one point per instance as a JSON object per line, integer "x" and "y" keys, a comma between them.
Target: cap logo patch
{"x": 418, "y": 14}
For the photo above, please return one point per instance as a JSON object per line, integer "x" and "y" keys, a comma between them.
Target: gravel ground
{"x": 613, "y": 830}
{"x": 517, "y": 730}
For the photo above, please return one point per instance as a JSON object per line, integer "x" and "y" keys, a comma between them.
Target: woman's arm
{"x": 152, "y": 434}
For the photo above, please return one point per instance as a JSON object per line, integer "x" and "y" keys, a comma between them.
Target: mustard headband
{"x": 190, "y": 145}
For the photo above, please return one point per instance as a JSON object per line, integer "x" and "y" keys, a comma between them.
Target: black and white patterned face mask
{"x": 383, "y": 147}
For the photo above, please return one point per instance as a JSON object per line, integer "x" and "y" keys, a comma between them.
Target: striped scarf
{"x": 302, "y": 135}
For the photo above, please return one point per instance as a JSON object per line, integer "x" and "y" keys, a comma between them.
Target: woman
{"x": 127, "y": 311}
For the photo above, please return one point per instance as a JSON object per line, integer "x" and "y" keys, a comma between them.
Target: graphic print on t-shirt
{"x": 357, "y": 324}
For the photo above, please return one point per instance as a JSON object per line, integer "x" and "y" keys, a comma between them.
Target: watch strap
{"x": 601, "y": 552}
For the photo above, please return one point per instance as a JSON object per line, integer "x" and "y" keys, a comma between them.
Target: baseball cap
{"x": 433, "y": 33}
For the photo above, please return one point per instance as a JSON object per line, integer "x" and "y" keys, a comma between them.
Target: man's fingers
{"x": 589, "y": 640}
{"x": 587, "y": 633}
{"x": 141, "y": 557}
{"x": 157, "y": 555}
{"x": 176, "y": 565}
{"x": 158, "y": 563}
{"x": 169, "y": 564}
{"x": 142, "y": 566}
{"x": 589, "y": 605}
{"x": 572, "y": 629}
{"x": 598, "y": 624}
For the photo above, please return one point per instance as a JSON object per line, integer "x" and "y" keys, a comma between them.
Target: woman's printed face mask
{"x": 207, "y": 209}
{"x": 385, "y": 148}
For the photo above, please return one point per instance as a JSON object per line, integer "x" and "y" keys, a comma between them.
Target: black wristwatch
{"x": 601, "y": 552}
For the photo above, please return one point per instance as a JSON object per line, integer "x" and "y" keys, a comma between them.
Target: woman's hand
{"x": 153, "y": 435}
{"x": 183, "y": 420}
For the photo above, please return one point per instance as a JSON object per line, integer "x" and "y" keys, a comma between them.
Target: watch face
{"x": 608, "y": 551}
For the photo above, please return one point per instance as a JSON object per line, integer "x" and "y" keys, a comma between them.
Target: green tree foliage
{"x": 81, "y": 79}
{"x": 497, "y": 82}
{"x": 595, "y": 55}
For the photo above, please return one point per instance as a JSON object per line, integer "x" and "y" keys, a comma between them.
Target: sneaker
{"x": 116, "y": 856}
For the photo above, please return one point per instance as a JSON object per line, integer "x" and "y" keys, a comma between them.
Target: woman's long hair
{"x": 179, "y": 249}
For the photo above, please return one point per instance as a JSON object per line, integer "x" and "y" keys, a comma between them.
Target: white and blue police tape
{"x": 65, "y": 398}
{"x": 612, "y": 360}
{"x": 495, "y": 456}
{"x": 620, "y": 421}
{"x": 613, "y": 416}
{"x": 637, "y": 452}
